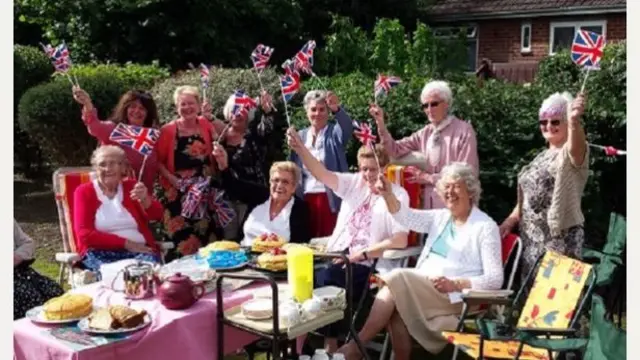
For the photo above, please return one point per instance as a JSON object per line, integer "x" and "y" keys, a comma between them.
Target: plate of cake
{"x": 273, "y": 261}
{"x": 63, "y": 309}
{"x": 224, "y": 255}
{"x": 115, "y": 319}
{"x": 267, "y": 242}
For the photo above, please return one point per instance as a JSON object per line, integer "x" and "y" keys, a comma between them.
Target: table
{"x": 173, "y": 334}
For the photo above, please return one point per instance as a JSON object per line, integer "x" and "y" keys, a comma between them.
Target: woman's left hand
{"x": 444, "y": 285}
{"x": 266, "y": 102}
{"x": 140, "y": 194}
{"x": 577, "y": 107}
{"x": 333, "y": 103}
{"x": 207, "y": 110}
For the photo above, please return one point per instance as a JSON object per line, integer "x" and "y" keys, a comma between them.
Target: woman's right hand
{"x": 136, "y": 247}
{"x": 293, "y": 139}
{"x": 221, "y": 157}
{"x": 377, "y": 114}
{"x": 507, "y": 226}
{"x": 174, "y": 181}
{"x": 82, "y": 97}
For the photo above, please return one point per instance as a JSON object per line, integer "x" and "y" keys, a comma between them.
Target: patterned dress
{"x": 31, "y": 289}
{"x": 191, "y": 160}
{"x": 537, "y": 180}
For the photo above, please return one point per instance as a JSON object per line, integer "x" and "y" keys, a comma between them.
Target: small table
{"x": 271, "y": 329}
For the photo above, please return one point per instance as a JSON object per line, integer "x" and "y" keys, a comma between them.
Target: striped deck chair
{"x": 555, "y": 301}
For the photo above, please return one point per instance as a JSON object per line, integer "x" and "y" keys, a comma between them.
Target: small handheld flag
{"x": 587, "y": 50}
{"x": 139, "y": 138}
{"x": 383, "y": 85}
{"x": 261, "y": 56}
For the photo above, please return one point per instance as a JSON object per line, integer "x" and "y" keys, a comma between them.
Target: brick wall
{"x": 499, "y": 40}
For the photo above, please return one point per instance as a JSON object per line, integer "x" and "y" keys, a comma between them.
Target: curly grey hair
{"x": 461, "y": 171}
{"x": 438, "y": 88}
{"x": 314, "y": 95}
{"x": 228, "y": 109}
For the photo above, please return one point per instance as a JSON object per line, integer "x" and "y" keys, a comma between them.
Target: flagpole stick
{"x": 320, "y": 81}
{"x": 70, "y": 79}
{"x": 584, "y": 82}
{"x": 273, "y": 107}
{"x": 144, "y": 162}
{"x": 76, "y": 79}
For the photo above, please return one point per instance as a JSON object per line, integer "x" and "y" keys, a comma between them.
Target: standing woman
{"x": 184, "y": 154}
{"x": 550, "y": 187}
{"x": 134, "y": 108}
{"x": 245, "y": 142}
{"x": 327, "y": 143}
{"x": 444, "y": 140}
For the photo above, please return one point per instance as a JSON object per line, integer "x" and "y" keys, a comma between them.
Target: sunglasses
{"x": 552, "y": 122}
{"x": 431, "y": 104}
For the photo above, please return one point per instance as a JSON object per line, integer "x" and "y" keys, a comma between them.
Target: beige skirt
{"x": 426, "y": 312}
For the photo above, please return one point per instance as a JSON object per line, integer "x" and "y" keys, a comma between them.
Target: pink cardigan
{"x": 101, "y": 131}
{"x": 86, "y": 204}
{"x": 459, "y": 144}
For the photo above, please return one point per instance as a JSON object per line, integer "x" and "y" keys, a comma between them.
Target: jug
{"x": 138, "y": 281}
{"x": 300, "y": 272}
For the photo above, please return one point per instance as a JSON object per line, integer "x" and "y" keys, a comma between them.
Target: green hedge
{"x": 51, "y": 117}
{"x": 30, "y": 67}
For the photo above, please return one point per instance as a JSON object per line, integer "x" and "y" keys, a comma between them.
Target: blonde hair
{"x": 186, "y": 90}
{"x": 461, "y": 171}
{"x": 287, "y": 166}
{"x": 366, "y": 152}
{"x": 110, "y": 150}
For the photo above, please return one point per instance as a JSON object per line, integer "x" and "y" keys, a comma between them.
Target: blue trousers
{"x": 94, "y": 258}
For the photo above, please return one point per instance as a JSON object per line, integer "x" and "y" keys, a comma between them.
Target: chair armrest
{"x": 547, "y": 331}
{"x": 393, "y": 254}
{"x": 167, "y": 245}
{"x": 67, "y": 257}
{"x": 322, "y": 241}
{"x": 473, "y": 300}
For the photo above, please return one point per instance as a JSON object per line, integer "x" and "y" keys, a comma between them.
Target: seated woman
{"x": 30, "y": 289}
{"x": 364, "y": 228}
{"x": 271, "y": 210}
{"x": 462, "y": 251}
{"x": 111, "y": 215}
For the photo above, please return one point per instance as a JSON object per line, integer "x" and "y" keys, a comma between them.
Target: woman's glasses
{"x": 430, "y": 104}
{"x": 552, "y": 122}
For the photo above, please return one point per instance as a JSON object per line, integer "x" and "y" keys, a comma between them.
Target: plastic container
{"x": 300, "y": 273}
{"x": 304, "y": 357}
{"x": 321, "y": 354}
{"x": 337, "y": 356}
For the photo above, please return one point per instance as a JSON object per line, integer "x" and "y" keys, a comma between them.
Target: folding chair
{"x": 556, "y": 298}
{"x": 65, "y": 182}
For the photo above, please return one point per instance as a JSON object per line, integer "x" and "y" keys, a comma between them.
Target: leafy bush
{"x": 30, "y": 67}
{"x": 51, "y": 117}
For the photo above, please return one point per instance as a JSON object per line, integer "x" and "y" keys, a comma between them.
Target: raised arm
{"x": 315, "y": 167}
{"x": 413, "y": 219}
{"x": 394, "y": 148}
{"x": 101, "y": 130}
{"x": 344, "y": 129}
{"x": 577, "y": 141}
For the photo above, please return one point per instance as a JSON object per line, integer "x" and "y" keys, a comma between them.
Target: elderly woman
{"x": 327, "y": 143}
{"x": 184, "y": 153}
{"x": 30, "y": 289}
{"x": 134, "y": 108}
{"x": 111, "y": 215}
{"x": 364, "y": 229}
{"x": 444, "y": 140}
{"x": 245, "y": 141}
{"x": 272, "y": 210}
{"x": 462, "y": 252}
{"x": 550, "y": 187}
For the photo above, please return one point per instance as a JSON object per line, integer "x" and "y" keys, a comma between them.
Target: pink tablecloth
{"x": 181, "y": 334}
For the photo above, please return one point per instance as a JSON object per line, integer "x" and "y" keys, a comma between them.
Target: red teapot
{"x": 178, "y": 292}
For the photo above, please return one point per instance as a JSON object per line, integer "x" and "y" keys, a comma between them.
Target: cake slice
{"x": 126, "y": 316}
{"x": 102, "y": 320}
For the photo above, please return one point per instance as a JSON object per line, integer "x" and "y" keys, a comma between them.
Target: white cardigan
{"x": 476, "y": 254}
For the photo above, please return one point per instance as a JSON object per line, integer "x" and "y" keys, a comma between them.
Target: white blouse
{"x": 474, "y": 254}
{"x": 312, "y": 185}
{"x": 113, "y": 218}
{"x": 259, "y": 222}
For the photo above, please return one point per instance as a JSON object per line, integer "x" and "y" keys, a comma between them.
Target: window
{"x": 525, "y": 38}
{"x": 472, "y": 41}
{"x": 562, "y": 33}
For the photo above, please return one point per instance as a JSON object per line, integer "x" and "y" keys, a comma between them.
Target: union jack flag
{"x": 587, "y": 49}
{"x": 242, "y": 103}
{"x": 260, "y": 56}
{"x": 364, "y": 133}
{"x": 289, "y": 67}
{"x": 140, "y": 139}
{"x": 59, "y": 56}
{"x": 290, "y": 84}
{"x": 204, "y": 75}
{"x": 224, "y": 212}
{"x": 304, "y": 58}
{"x": 383, "y": 84}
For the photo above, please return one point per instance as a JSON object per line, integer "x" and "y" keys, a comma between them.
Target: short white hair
{"x": 556, "y": 104}
{"x": 314, "y": 95}
{"x": 227, "y": 110}
{"x": 438, "y": 88}
{"x": 461, "y": 171}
